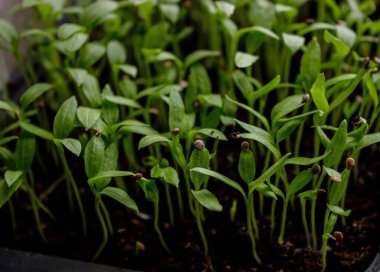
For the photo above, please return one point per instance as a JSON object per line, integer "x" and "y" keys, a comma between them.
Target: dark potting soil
{"x": 135, "y": 244}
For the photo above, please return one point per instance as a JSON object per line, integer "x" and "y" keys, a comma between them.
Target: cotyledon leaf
{"x": 65, "y": 118}
{"x": 207, "y": 200}
{"x": 120, "y": 196}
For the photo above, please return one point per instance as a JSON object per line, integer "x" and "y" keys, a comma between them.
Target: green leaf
{"x": 285, "y": 131}
{"x": 64, "y": 120}
{"x": 151, "y": 139}
{"x": 91, "y": 91}
{"x": 372, "y": 91}
{"x": 311, "y": 64}
{"x": 308, "y": 195}
{"x": 259, "y": 135}
{"x": 341, "y": 48}
{"x": 116, "y": 52}
{"x": 7, "y": 31}
{"x": 332, "y": 173}
{"x": 33, "y": 93}
{"x": 213, "y": 133}
{"x": 91, "y": 53}
{"x": 88, "y": 116}
{"x": 78, "y": 75}
{"x": 4, "y": 105}
{"x": 299, "y": 182}
{"x": 198, "y": 55}
{"x": 338, "y": 210}
{"x": 247, "y": 166}
{"x": 264, "y": 189}
{"x": 67, "y": 30}
{"x": 318, "y": 94}
{"x": 289, "y": 104}
{"x": 268, "y": 173}
{"x": 293, "y": 42}
{"x": 171, "y": 11}
{"x": 12, "y": 176}
{"x": 265, "y": 89}
{"x": 199, "y": 158}
{"x": 73, "y": 145}
{"x": 122, "y": 101}
{"x": 225, "y": 7}
{"x": 93, "y": 13}
{"x": 25, "y": 150}
{"x": 6, "y": 192}
{"x": 368, "y": 140}
{"x": 150, "y": 189}
{"x": 93, "y": 156}
{"x": 220, "y": 177}
{"x": 337, "y": 146}
{"x": 110, "y": 174}
{"x": 73, "y": 44}
{"x": 40, "y": 132}
{"x": 262, "y": 118}
{"x": 213, "y": 100}
{"x": 345, "y": 34}
{"x": 120, "y": 196}
{"x": 259, "y": 29}
{"x": 344, "y": 94}
{"x": 243, "y": 83}
{"x": 176, "y": 110}
{"x": 207, "y": 200}
{"x": 304, "y": 160}
{"x": 244, "y": 60}
{"x": 130, "y": 70}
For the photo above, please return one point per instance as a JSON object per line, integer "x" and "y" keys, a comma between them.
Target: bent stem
{"x": 157, "y": 227}
{"x": 200, "y": 227}
{"x": 107, "y": 217}
{"x": 104, "y": 228}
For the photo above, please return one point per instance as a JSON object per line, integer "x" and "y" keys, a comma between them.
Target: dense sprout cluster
{"x": 154, "y": 86}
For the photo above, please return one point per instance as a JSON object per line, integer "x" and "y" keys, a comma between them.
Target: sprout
{"x": 245, "y": 146}
{"x": 138, "y": 176}
{"x": 199, "y": 144}
{"x": 316, "y": 169}
{"x": 175, "y": 131}
{"x": 350, "y": 163}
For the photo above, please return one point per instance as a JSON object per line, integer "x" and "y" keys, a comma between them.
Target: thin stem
{"x": 250, "y": 232}
{"x": 35, "y": 210}
{"x": 200, "y": 227}
{"x": 253, "y": 215}
{"x": 13, "y": 215}
{"x": 283, "y": 220}
{"x": 324, "y": 252}
{"x": 107, "y": 217}
{"x": 74, "y": 187}
{"x": 157, "y": 227}
{"x": 304, "y": 222}
{"x": 170, "y": 203}
{"x": 104, "y": 228}
{"x": 313, "y": 207}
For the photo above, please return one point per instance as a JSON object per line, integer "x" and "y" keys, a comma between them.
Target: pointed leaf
{"x": 151, "y": 139}
{"x": 33, "y": 93}
{"x": 12, "y": 176}
{"x": 318, "y": 94}
{"x": 207, "y": 200}
{"x": 40, "y": 132}
{"x": 88, "y": 116}
{"x": 120, "y": 196}
{"x": 244, "y": 60}
{"x": 65, "y": 118}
